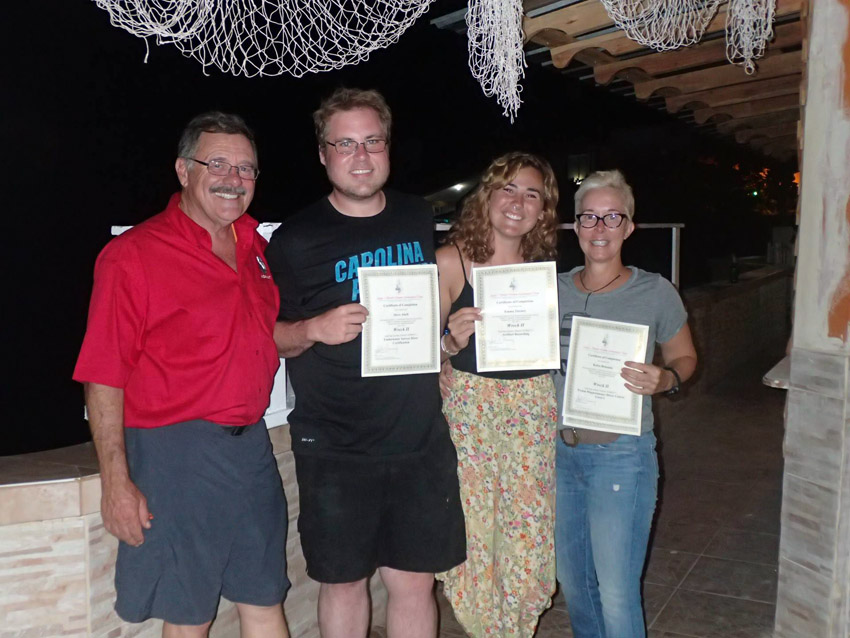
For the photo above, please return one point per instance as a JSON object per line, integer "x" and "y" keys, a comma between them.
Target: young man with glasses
{"x": 178, "y": 363}
{"x": 376, "y": 469}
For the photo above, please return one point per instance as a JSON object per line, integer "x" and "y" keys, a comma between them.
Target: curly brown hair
{"x": 473, "y": 230}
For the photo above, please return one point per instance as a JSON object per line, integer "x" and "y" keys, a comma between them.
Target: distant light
{"x": 578, "y": 180}
{"x": 755, "y": 193}
{"x": 458, "y": 187}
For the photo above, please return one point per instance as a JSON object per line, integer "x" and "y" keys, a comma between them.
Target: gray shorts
{"x": 219, "y": 526}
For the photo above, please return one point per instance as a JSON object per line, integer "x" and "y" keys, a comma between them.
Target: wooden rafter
{"x": 759, "y": 121}
{"x": 771, "y": 132}
{"x": 768, "y": 67}
{"x": 726, "y": 95}
{"x": 573, "y": 20}
{"x": 757, "y": 107}
{"x": 771, "y": 145}
{"x": 712, "y": 52}
{"x": 748, "y": 109}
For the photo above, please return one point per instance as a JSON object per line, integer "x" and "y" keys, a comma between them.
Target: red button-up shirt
{"x": 177, "y": 329}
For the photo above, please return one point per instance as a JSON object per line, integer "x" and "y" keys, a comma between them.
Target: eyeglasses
{"x": 217, "y": 167}
{"x": 589, "y": 220}
{"x": 349, "y": 147}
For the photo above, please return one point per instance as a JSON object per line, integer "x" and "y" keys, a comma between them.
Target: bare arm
{"x": 123, "y": 507}
{"x": 333, "y": 327}
{"x": 461, "y": 324}
{"x": 678, "y": 353}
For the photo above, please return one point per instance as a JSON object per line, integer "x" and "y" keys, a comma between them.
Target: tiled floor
{"x": 712, "y": 565}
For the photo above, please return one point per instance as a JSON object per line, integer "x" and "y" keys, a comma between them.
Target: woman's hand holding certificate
{"x": 595, "y": 397}
{"x": 519, "y": 309}
{"x": 401, "y": 334}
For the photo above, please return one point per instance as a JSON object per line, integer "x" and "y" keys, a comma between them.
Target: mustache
{"x": 228, "y": 190}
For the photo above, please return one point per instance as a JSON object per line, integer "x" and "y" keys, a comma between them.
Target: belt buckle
{"x": 575, "y": 437}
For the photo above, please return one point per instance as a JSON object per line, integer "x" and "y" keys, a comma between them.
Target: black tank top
{"x": 465, "y": 359}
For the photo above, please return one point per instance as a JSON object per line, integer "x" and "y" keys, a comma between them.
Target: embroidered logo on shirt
{"x": 264, "y": 271}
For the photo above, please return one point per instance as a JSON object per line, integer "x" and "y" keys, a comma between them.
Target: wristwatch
{"x": 676, "y": 385}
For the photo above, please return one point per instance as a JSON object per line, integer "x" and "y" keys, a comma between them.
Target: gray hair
{"x": 607, "y": 179}
{"x": 212, "y": 122}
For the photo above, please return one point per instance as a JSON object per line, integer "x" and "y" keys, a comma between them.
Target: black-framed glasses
{"x": 349, "y": 147}
{"x": 219, "y": 168}
{"x": 589, "y": 220}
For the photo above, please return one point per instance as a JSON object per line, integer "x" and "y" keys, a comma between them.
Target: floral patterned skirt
{"x": 504, "y": 433}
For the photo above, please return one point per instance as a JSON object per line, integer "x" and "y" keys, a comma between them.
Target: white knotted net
{"x": 269, "y": 37}
{"x": 749, "y": 27}
{"x": 669, "y": 24}
{"x": 662, "y": 24}
{"x": 496, "y": 56}
{"x": 272, "y": 37}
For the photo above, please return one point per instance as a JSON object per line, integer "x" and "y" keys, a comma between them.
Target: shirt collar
{"x": 188, "y": 228}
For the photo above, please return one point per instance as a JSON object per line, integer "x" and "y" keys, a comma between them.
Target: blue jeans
{"x": 604, "y": 505}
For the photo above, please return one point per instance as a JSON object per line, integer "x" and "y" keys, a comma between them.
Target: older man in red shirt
{"x": 178, "y": 363}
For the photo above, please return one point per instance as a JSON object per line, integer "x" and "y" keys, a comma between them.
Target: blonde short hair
{"x": 607, "y": 179}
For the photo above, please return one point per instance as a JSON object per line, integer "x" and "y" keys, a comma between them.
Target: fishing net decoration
{"x": 662, "y": 24}
{"x": 669, "y": 24}
{"x": 496, "y": 56}
{"x": 272, "y": 37}
{"x": 749, "y": 27}
{"x": 269, "y": 37}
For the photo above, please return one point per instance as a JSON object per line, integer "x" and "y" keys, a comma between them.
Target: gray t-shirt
{"x": 646, "y": 298}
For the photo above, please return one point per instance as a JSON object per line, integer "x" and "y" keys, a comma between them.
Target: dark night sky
{"x": 90, "y": 130}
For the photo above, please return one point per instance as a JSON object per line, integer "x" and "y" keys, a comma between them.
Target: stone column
{"x": 814, "y": 558}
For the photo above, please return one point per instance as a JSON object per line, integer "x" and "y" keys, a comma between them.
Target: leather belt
{"x": 569, "y": 436}
{"x": 236, "y": 430}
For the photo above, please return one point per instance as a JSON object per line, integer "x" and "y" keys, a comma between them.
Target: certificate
{"x": 401, "y": 335}
{"x": 519, "y": 310}
{"x": 595, "y": 397}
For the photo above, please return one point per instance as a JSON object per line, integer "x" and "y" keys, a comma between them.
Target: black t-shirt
{"x": 466, "y": 360}
{"x": 314, "y": 257}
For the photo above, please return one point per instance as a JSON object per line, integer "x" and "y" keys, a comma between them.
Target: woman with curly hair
{"x": 502, "y": 423}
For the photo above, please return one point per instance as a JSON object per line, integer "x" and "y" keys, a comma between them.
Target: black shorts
{"x": 360, "y": 514}
{"x": 219, "y": 526}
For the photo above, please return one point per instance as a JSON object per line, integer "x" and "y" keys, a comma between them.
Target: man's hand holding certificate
{"x": 401, "y": 333}
{"x": 519, "y": 325}
{"x": 595, "y": 395}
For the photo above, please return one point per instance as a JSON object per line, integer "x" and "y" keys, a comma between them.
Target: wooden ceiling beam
{"x": 772, "y": 132}
{"x": 759, "y": 121}
{"x": 768, "y": 67}
{"x": 614, "y": 43}
{"x": 530, "y": 5}
{"x": 552, "y": 38}
{"x": 770, "y": 146}
{"x": 573, "y": 20}
{"x": 590, "y": 57}
{"x": 725, "y": 95}
{"x": 712, "y": 52}
{"x": 766, "y": 144}
{"x": 749, "y": 109}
